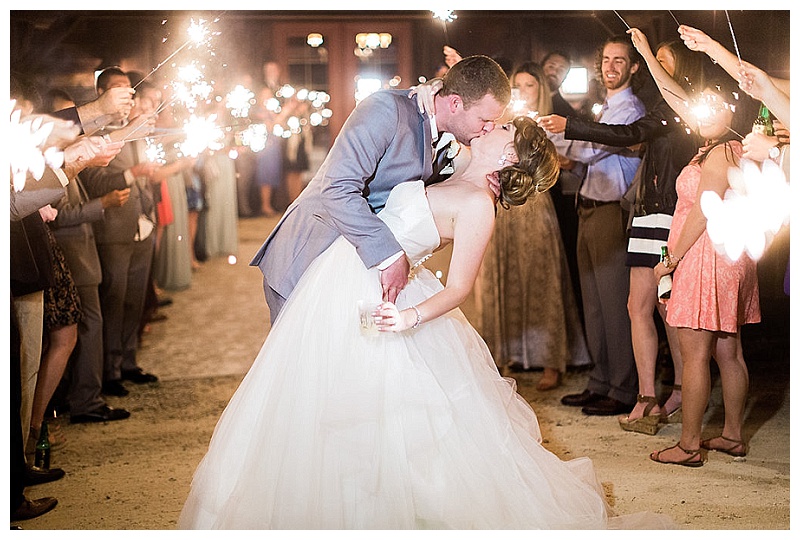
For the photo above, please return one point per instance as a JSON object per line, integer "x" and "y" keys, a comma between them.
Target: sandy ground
{"x": 135, "y": 474}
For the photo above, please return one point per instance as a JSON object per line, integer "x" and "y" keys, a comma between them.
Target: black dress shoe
{"x": 30, "y": 509}
{"x": 606, "y": 407}
{"x": 579, "y": 400}
{"x": 103, "y": 414}
{"x": 114, "y": 388}
{"x": 35, "y": 476}
{"x": 138, "y": 376}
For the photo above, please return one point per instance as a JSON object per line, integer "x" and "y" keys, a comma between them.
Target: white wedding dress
{"x": 333, "y": 428}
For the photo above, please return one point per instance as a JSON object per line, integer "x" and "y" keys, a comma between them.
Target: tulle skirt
{"x": 337, "y": 428}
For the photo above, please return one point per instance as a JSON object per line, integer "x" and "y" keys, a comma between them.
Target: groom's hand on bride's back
{"x": 394, "y": 278}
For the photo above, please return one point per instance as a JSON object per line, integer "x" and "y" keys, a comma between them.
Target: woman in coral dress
{"x": 712, "y": 296}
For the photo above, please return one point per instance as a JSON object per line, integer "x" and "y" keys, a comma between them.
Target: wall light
{"x": 314, "y": 39}
{"x": 373, "y": 40}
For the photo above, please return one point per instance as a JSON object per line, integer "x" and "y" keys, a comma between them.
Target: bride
{"x": 395, "y": 416}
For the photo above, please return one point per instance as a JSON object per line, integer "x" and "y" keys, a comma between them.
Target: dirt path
{"x": 135, "y": 474}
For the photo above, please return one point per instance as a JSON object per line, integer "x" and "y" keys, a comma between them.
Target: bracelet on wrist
{"x": 419, "y": 317}
{"x": 671, "y": 262}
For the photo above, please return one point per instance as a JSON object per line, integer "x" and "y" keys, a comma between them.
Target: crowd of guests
{"x": 570, "y": 281}
{"x": 628, "y": 188}
{"x": 96, "y": 248}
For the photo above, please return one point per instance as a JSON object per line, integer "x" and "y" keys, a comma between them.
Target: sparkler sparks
{"x": 27, "y": 151}
{"x": 239, "y": 100}
{"x": 753, "y": 210}
{"x": 446, "y": 16}
{"x": 154, "y": 151}
{"x": 199, "y": 34}
{"x": 201, "y": 133}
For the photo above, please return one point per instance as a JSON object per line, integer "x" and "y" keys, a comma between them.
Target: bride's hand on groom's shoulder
{"x": 425, "y": 93}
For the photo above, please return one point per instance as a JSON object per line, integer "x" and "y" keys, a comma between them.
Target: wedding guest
{"x": 125, "y": 244}
{"x": 712, "y": 296}
{"x": 668, "y": 149}
{"x": 528, "y": 314}
{"x": 73, "y": 231}
{"x": 602, "y": 240}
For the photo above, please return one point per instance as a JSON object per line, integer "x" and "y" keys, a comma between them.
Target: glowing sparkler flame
{"x": 446, "y": 15}
{"x": 239, "y": 100}
{"x": 27, "y": 151}
{"x": 154, "y": 151}
{"x": 255, "y": 137}
{"x": 201, "y": 133}
{"x": 754, "y": 208}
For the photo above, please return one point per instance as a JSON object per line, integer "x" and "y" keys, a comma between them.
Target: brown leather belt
{"x": 583, "y": 202}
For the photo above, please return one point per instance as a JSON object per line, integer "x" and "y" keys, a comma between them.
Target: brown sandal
{"x": 739, "y": 449}
{"x": 688, "y": 462}
{"x": 674, "y": 417}
{"x": 648, "y": 423}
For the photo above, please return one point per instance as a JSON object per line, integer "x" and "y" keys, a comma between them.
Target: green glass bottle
{"x": 665, "y": 283}
{"x": 763, "y": 122}
{"x": 41, "y": 458}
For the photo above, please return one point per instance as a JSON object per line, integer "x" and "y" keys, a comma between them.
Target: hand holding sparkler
{"x": 552, "y": 123}
{"x": 640, "y": 42}
{"x": 773, "y": 92}
{"x": 112, "y": 107}
{"x": 89, "y": 152}
{"x": 451, "y": 56}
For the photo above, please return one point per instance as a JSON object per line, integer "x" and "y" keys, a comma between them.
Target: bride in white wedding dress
{"x": 337, "y": 426}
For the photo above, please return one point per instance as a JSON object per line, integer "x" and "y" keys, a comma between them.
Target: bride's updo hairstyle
{"x": 537, "y": 170}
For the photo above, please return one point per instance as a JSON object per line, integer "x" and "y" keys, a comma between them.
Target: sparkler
{"x": 674, "y": 18}
{"x": 623, "y": 20}
{"x": 201, "y": 133}
{"x": 154, "y": 151}
{"x": 27, "y": 151}
{"x": 239, "y": 100}
{"x": 198, "y": 35}
{"x": 446, "y": 16}
{"x": 705, "y": 106}
{"x": 754, "y": 208}
{"x": 735, "y": 45}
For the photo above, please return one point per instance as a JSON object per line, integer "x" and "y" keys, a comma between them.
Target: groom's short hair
{"x": 474, "y": 77}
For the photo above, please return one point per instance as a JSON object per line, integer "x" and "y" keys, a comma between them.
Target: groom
{"x": 385, "y": 141}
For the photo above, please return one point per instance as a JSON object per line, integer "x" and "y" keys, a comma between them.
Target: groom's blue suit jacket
{"x": 385, "y": 141}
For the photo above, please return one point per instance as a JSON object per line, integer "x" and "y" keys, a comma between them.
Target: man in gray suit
{"x": 125, "y": 247}
{"x": 385, "y": 141}
{"x": 73, "y": 231}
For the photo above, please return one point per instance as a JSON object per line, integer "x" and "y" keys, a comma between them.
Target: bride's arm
{"x": 473, "y": 225}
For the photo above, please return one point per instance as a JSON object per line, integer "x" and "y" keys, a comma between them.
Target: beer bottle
{"x": 763, "y": 122}
{"x": 41, "y": 458}
{"x": 665, "y": 283}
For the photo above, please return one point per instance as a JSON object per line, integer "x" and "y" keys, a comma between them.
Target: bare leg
{"x": 735, "y": 381}
{"x": 193, "y": 217}
{"x": 51, "y": 369}
{"x": 696, "y": 347}
{"x": 642, "y": 300}
{"x": 675, "y": 398}
{"x": 266, "y": 201}
{"x": 551, "y": 378}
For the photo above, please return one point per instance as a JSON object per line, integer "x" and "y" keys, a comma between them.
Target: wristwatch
{"x": 775, "y": 152}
